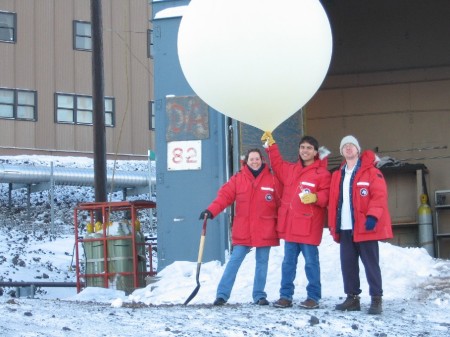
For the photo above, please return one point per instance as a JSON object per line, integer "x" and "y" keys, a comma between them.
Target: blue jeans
{"x": 289, "y": 269}
{"x": 229, "y": 275}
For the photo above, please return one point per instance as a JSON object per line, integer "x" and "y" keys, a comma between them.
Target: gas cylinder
{"x": 141, "y": 254}
{"x": 94, "y": 255}
{"x": 120, "y": 257}
{"x": 425, "y": 225}
{"x": 87, "y": 246}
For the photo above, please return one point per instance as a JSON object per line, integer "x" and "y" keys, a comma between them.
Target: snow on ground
{"x": 416, "y": 286}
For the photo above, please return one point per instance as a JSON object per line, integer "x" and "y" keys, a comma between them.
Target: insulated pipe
{"x": 38, "y": 284}
{"x": 70, "y": 176}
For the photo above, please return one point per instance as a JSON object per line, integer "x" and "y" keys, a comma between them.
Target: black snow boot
{"x": 351, "y": 303}
{"x": 375, "y": 306}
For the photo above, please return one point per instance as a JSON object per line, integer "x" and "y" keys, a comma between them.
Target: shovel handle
{"x": 205, "y": 220}
{"x": 202, "y": 240}
{"x": 200, "y": 249}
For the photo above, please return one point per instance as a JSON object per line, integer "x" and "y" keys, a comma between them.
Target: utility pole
{"x": 100, "y": 178}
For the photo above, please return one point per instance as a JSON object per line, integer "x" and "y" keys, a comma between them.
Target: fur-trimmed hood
{"x": 323, "y": 152}
{"x": 322, "y": 156}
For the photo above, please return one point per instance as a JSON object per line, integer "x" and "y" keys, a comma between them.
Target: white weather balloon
{"x": 257, "y": 61}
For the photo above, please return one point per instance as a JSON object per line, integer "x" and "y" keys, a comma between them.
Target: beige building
{"x": 46, "y": 77}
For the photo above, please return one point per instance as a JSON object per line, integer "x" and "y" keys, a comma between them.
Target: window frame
{"x": 112, "y": 112}
{"x": 75, "y": 110}
{"x": 16, "y": 105}
{"x": 75, "y": 35}
{"x": 14, "y": 28}
{"x": 150, "y": 44}
{"x": 151, "y": 115}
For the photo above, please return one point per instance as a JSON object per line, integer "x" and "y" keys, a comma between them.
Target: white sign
{"x": 184, "y": 155}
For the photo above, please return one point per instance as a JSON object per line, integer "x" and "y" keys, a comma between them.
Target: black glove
{"x": 207, "y": 213}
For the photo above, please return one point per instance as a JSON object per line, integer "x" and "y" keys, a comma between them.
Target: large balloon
{"x": 257, "y": 61}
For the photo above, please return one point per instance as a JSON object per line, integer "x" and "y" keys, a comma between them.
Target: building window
{"x": 18, "y": 104}
{"x": 82, "y": 35}
{"x": 151, "y": 114}
{"x": 109, "y": 112}
{"x": 150, "y": 43}
{"x": 78, "y": 109}
{"x": 84, "y": 110}
{"x": 8, "y": 27}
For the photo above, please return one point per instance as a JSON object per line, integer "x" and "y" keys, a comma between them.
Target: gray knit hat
{"x": 349, "y": 140}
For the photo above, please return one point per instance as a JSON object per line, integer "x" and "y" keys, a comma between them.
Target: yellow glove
{"x": 309, "y": 198}
{"x": 267, "y": 138}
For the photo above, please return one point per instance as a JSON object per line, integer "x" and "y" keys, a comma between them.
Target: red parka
{"x": 299, "y": 222}
{"x": 257, "y": 200}
{"x": 368, "y": 197}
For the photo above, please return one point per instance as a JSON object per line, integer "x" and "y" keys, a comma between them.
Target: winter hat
{"x": 349, "y": 140}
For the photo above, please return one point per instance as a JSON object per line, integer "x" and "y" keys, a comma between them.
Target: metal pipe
{"x": 38, "y": 284}
{"x": 98, "y": 103}
{"x": 70, "y": 176}
{"x": 52, "y": 199}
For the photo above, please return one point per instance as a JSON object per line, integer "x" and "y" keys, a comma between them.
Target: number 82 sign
{"x": 184, "y": 155}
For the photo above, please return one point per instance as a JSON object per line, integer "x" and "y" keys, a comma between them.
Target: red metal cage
{"x": 112, "y": 259}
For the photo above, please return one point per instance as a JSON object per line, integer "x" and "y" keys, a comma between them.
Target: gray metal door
{"x": 191, "y": 154}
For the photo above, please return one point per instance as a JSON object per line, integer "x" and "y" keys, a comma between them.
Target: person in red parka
{"x": 255, "y": 192}
{"x": 301, "y": 216}
{"x": 358, "y": 216}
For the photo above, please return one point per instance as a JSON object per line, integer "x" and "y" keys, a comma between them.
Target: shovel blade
{"x": 199, "y": 261}
{"x": 191, "y": 296}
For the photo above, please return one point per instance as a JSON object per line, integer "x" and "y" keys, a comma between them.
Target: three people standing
{"x": 358, "y": 217}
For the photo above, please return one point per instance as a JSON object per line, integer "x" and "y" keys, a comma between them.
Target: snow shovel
{"x": 199, "y": 261}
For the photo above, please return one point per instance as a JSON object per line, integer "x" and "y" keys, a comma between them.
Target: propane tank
{"x": 425, "y": 225}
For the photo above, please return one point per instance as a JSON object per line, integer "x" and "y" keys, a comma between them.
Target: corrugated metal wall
{"x": 389, "y": 86}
